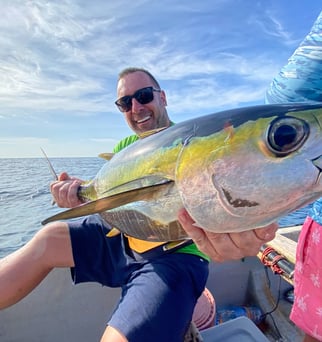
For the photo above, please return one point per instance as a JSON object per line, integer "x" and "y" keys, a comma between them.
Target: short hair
{"x": 131, "y": 70}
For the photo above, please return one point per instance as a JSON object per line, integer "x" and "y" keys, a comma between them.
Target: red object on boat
{"x": 205, "y": 310}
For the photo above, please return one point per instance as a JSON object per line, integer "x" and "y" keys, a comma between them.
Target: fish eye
{"x": 286, "y": 135}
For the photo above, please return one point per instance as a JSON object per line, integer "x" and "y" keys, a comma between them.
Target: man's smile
{"x": 146, "y": 118}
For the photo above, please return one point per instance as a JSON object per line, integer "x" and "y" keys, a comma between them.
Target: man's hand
{"x": 64, "y": 191}
{"x": 227, "y": 246}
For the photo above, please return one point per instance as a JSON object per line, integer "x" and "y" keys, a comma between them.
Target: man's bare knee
{"x": 54, "y": 245}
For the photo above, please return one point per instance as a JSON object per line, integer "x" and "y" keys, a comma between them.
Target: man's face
{"x": 143, "y": 117}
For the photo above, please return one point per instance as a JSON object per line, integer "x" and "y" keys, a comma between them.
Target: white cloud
{"x": 272, "y": 26}
{"x": 59, "y": 60}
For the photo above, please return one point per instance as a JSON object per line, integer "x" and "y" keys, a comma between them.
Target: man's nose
{"x": 136, "y": 105}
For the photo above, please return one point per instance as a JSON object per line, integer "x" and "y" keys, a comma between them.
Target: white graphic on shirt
{"x": 316, "y": 236}
{"x": 301, "y": 303}
{"x": 315, "y": 278}
{"x": 319, "y": 311}
{"x": 299, "y": 266}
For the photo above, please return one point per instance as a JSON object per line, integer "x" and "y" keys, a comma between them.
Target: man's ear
{"x": 163, "y": 98}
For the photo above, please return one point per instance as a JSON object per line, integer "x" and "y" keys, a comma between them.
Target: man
{"x": 159, "y": 291}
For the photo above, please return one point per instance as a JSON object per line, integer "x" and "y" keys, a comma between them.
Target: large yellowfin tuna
{"x": 233, "y": 171}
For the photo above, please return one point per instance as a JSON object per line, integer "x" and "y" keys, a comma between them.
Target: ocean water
{"x": 25, "y": 199}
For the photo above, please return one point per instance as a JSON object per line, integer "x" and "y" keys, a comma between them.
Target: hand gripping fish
{"x": 233, "y": 171}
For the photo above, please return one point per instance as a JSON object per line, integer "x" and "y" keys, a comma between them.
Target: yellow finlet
{"x": 113, "y": 232}
{"x": 152, "y": 131}
{"x": 229, "y": 129}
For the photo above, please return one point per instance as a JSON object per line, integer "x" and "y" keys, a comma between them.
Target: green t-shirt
{"x": 125, "y": 142}
{"x": 190, "y": 249}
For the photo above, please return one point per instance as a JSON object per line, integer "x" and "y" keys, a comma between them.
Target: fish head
{"x": 248, "y": 175}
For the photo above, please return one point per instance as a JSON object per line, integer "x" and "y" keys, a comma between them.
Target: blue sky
{"x": 59, "y": 62}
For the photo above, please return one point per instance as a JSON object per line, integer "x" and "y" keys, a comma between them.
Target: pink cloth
{"x": 307, "y": 308}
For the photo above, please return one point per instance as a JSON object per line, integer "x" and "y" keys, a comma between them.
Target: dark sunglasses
{"x": 143, "y": 96}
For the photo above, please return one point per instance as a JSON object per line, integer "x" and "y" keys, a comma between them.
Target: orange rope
{"x": 272, "y": 263}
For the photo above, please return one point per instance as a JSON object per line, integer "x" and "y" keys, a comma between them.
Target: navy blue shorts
{"x": 158, "y": 295}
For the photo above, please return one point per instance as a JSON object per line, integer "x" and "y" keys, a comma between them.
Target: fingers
{"x": 64, "y": 176}
{"x": 65, "y": 191}
{"x": 249, "y": 242}
{"x": 227, "y": 246}
{"x": 221, "y": 247}
{"x": 196, "y": 233}
{"x": 200, "y": 237}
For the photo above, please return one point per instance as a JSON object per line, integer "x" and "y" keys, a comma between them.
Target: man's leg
{"x": 158, "y": 301}
{"x": 112, "y": 335}
{"x": 23, "y": 270}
